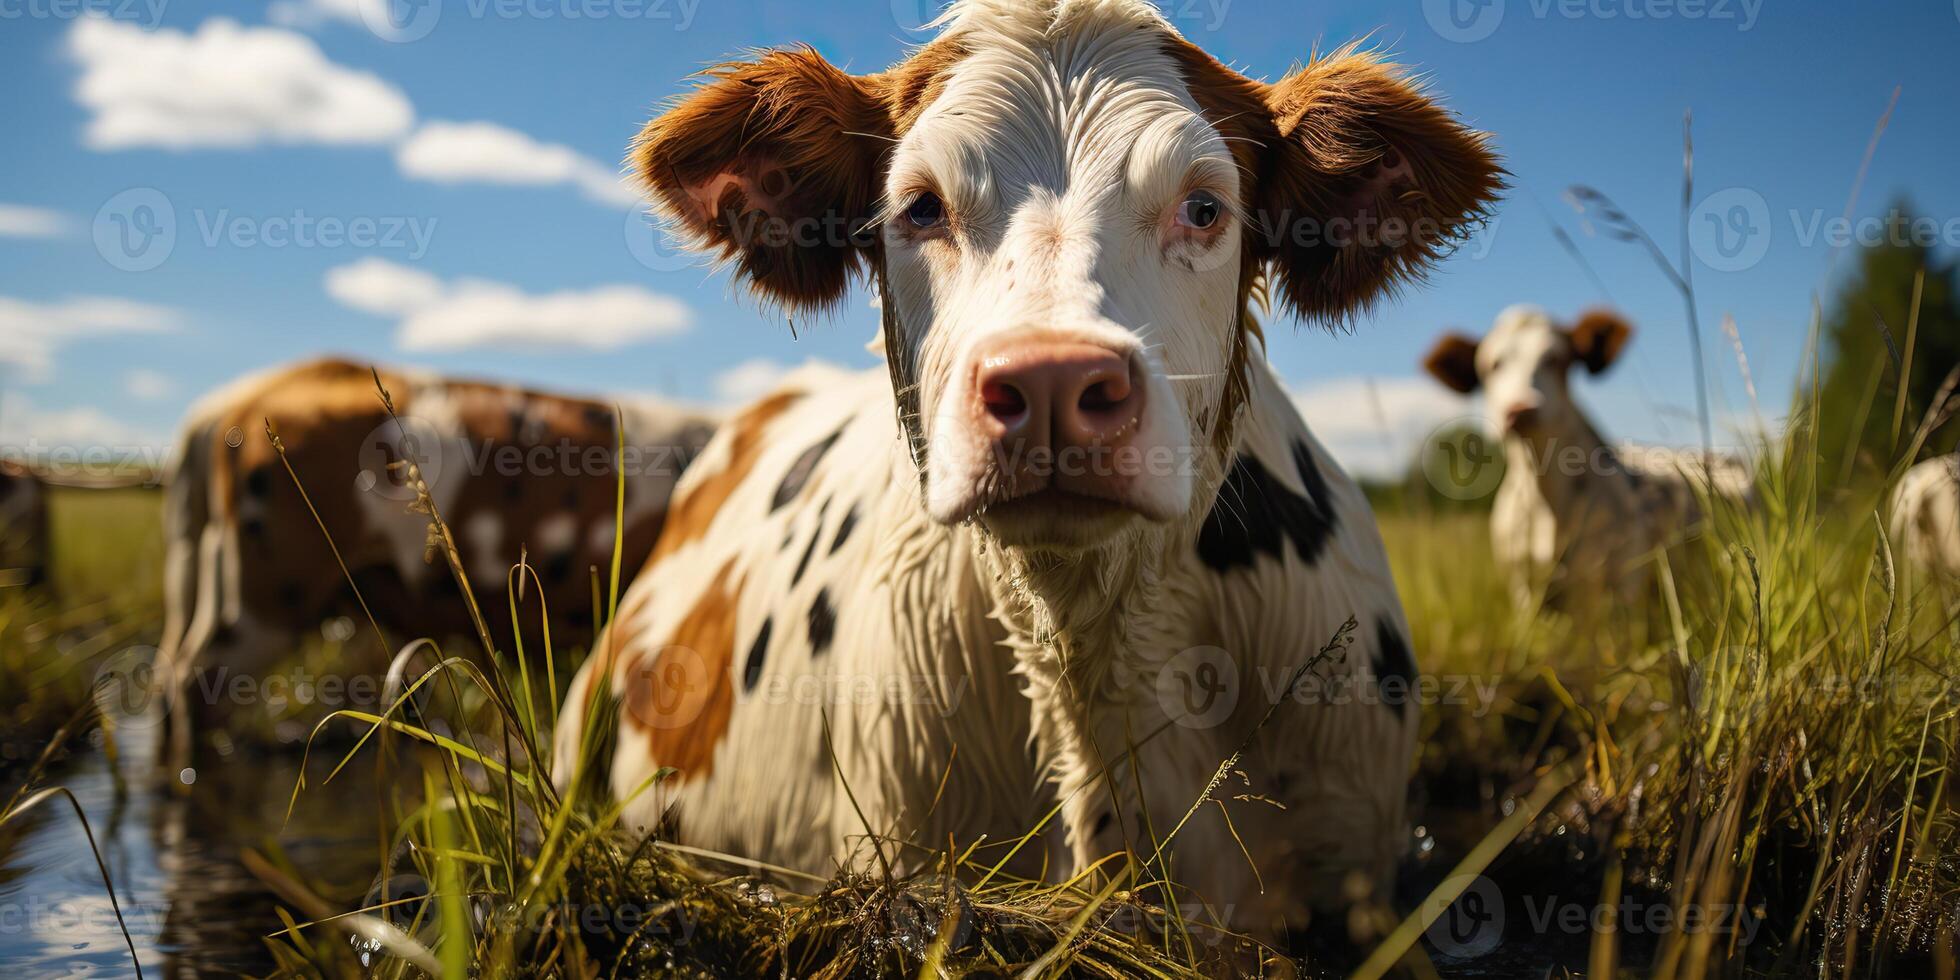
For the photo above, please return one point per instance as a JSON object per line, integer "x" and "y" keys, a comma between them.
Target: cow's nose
{"x": 1520, "y": 417}
{"x": 1060, "y": 393}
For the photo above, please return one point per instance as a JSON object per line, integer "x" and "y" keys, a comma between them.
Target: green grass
{"x": 1773, "y": 734}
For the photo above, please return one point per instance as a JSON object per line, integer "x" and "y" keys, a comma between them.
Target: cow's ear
{"x": 1598, "y": 338}
{"x": 1369, "y": 183}
{"x": 773, "y": 163}
{"x": 1453, "y": 361}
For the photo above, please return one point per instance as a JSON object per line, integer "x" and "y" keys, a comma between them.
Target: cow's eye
{"x": 1200, "y": 211}
{"x": 926, "y": 211}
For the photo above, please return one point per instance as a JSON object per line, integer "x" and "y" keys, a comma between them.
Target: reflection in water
{"x": 191, "y": 906}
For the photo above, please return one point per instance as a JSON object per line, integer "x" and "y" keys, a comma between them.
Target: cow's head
{"x": 1068, "y": 208}
{"x": 1523, "y": 364}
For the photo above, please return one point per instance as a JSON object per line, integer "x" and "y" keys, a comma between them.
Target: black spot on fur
{"x": 1395, "y": 666}
{"x": 804, "y": 563}
{"x": 823, "y": 624}
{"x": 1255, "y": 512}
{"x": 1103, "y": 822}
{"x": 844, "y": 528}
{"x": 758, "y": 656}
{"x": 800, "y": 471}
{"x": 258, "y": 483}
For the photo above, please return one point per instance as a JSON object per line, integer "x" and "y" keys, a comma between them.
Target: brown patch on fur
{"x": 694, "y": 509}
{"x": 1598, "y": 338}
{"x": 684, "y": 697}
{"x": 1453, "y": 361}
{"x": 529, "y": 460}
{"x": 1362, "y": 144}
{"x": 765, "y": 154}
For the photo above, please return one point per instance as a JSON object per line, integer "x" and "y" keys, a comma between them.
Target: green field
{"x": 1770, "y": 739}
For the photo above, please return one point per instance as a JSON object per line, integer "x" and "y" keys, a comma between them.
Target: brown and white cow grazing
{"x": 1074, "y": 542}
{"x": 1926, "y": 516}
{"x": 1575, "y": 519}
{"x": 23, "y": 526}
{"x": 513, "y": 472}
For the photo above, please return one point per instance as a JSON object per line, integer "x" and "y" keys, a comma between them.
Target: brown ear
{"x": 773, "y": 163}
{"x": 1371, "y": 183}
{"x": 1598, "y": 337}
{"x": 1453, "y": 361}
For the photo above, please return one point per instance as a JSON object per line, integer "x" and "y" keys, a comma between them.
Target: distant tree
{"x": 1865, "y": 337}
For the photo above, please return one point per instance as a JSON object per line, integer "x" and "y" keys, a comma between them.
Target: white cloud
{"x": 28, "y": 429}
{"x": 1375, "y": 426}
{"x": 749, "y": 380}
{"x": 26, "y": 221}
{"x": 476, "y": 313}
{"x": 30, "y": 332}
{"x": 225, "y": 85}
{"x": 147, "y": 385}
{"x": 485, "y": 152}
{"x": 383, "y": 288}
{"x": 309, "y": 14}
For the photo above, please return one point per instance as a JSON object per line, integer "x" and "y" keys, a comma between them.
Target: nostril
{"x": 1104, "y": 395}
{"x": 1004, "y": 401}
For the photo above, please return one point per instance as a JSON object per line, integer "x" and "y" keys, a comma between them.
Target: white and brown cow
{"x": 249, "y": 570}
{"x": 23, "y": 526}
{"x": 1926, "y": 516}
{"x": 1575, "y": 519}
{"x": 1075, "y": 541}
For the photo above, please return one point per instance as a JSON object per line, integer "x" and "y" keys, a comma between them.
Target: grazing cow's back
{"x": 252, "y": 563}
{"x": 23, "y": 526}
{"x": 1576, "y": 522}
{"x": 1074, "y": 543}
{"x": 1926, "y": 516}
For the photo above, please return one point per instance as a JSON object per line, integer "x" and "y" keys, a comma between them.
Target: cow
{"x": 23, "y": 526}
{"x": 257, "y": 555}
{"x": 1072, "y": 546}
{"x": 1926, "y": 516}
{"x": 1577, "y": 522}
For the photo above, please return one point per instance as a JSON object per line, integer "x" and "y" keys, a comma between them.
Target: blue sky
{"x": 471, "y": 156}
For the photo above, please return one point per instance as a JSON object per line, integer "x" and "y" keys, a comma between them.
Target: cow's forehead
{"x": 1046, "y": 93}
{"x": 1524, "y": 330}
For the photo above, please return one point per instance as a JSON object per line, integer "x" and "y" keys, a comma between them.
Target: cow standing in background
{"x": 250, "y": 570}
{"x": 1074, "y": 543}
{"x": 23, "y": 526}
{"x": 1926, "y": 516}
{"x": 1576, "y": 522}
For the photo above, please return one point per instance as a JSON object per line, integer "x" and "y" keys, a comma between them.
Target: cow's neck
{"x": 1568, "y": 464}
{"x": 1086, "y": 614}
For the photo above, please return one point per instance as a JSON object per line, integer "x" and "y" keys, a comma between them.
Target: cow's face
{"x": 1522, "y": 366}
{"x": 1068, "y": 207}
